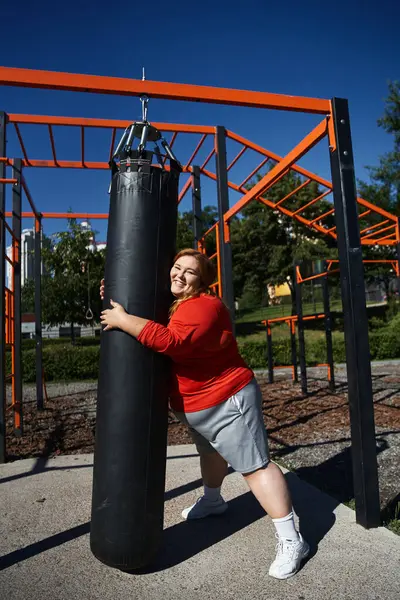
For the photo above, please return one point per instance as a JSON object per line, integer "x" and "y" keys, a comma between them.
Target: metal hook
{"x": 145, "y": 101}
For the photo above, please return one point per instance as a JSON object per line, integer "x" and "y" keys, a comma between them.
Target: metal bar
{"x": 21, "y": 141}
{"x": 270, "y": 356}
{"x": 3, "y": 125}
{"x": 7, "y": 180}
{"x": 114, "y": 132}
{"x": 364, "y": 461}
{"x": 75, "y": 164}
{"x": 323, "y": 216}
{"x": 328, "y": 331}
{"x": 62, "y": 215}
{"x": 172, "y": 142}
{"x": 196, "y": 205}
{"x": 300, "y": 329}
{"x": 293, "y": 192}
{"x": 53, "y": 146}
{"x": 156, "y": 89}
{"x": 373, "y": 242}
{"x": 209, "y": 157}
{"x": 38, "y": 313}
{"x": 213, "y": 176}
{"x": 199, "y": 145}
{"x": 303, "y": 208}
{"x": 225, "y": 250}
{"x": 398, "y": 252}
{"x": 298, "y": 218}
{"x": 104, "y": 123}
{"x": 234, "y": 161}
{"x": 366, "y": 237}
{"x": 273, "y": 175}
{"x": 306, "y": 173}
{"x": 374, "y": 226}
{"x": 210, "y": 230}
{"x": 292, "y": 325}
{"x": 219, "y": 267}
{"x": 262, "y": 163}
{"x": 185, "y": 189}
{"x": 83, "y": 145}
{"x": 8, "y": 228}
{"x": 28, "y": 194}
{"x": 17, "y": 348}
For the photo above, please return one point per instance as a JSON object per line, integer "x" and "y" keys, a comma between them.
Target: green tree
{"x": 384, "y": 186}
{"x": 71, "y": 285}
{"x": 185, "y": 233}
{"x": 265, "y": 242}
{"x": 383, "y": 189}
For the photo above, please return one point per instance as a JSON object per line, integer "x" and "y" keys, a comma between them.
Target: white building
{"x": 27, "y": 258}
{"x": 94, "y": 245}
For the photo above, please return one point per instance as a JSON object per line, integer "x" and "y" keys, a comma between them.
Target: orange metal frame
{"x": 392, "y": 262}
{"x": 382, "y": 230}
{"x": 291, "y": 321}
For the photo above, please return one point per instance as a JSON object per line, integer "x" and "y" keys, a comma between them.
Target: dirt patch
{"x": 309, "y": 434}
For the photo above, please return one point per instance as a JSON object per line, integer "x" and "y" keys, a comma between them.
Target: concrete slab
{"x": 45, "y": 555}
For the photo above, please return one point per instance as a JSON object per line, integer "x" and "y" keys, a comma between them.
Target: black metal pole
{"x": 365, "y": 472}
{"x": 196, "y": 205}
{"x": 293, "y": 350}
{"x": 398, "y": 254}
{"x": 3, "y": 121}
{"x": 38, "y": 312}
{"x": 300, "y": 328}
{"x": 270, "y": 355}
{"x": 223, "y": 207}
{"x": 17, "y": 230}
{"x": 328, "y": 331}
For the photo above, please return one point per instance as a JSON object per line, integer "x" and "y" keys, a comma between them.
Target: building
{"x": 27, "y": 258}
{"x": 94, "y": 245}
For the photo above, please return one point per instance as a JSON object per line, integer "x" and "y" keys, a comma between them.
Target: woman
{"x": 215, "y": 393}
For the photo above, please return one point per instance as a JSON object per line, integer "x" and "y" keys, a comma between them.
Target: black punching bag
{"x": 132, "y": 404}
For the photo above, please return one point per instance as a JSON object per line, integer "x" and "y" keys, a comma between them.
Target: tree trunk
{"x": 72, "y": 334}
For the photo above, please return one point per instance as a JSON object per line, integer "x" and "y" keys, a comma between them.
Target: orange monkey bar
{"x": 156, "y": 89}
{"x": 281, "y": 168}
{"x": 392, "y": 262}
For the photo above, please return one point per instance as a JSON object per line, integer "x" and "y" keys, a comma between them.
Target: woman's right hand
{"x": 102, "y": 289}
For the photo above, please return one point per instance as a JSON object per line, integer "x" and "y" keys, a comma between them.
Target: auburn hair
{"x": 208, "y": 274}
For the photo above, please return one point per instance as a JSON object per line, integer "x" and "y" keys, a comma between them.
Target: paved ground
{"x": 45, "y": 555}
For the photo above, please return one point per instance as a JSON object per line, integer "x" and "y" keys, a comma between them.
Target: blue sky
{"x": 344, "y": 49}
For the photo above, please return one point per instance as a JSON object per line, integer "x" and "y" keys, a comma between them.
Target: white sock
{"x": 286, "y": 528}
{"x": 212, "y": 494}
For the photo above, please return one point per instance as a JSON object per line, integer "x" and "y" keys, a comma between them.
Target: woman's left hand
{"x": 113, "y": 317}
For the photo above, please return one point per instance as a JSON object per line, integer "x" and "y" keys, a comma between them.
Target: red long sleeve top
{"x": 207, "y": 367}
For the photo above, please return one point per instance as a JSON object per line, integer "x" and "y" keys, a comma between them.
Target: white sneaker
{"x": 289, "y": 555}
{"x": 205, "y": 508}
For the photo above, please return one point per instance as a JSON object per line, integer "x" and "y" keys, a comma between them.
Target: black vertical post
{"x": 293, "y": 350}
{"x": 223, "y": 206}
{"x": 17, "y": 230}
{"x": 38, "y": 312}
{"x": 196, "y": 205}
{"x": 364, "y": 461}
{"x": 300, "y": 328}
{"x": 398, "y": 254}
{"x": 270, "y": 355}
{"x": 2, "y": 292}
{"x": 328, "y": 331}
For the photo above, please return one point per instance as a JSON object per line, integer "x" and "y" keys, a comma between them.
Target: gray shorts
{"x": 234, "y": 428}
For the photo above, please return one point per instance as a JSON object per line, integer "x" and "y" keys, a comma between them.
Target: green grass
{"x": 283, "y": 310}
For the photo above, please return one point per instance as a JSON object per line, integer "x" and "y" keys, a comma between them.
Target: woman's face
{"x": 185, "y": 276}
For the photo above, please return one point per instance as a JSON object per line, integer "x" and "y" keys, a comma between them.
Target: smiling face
{"x": 185, "y": 276}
